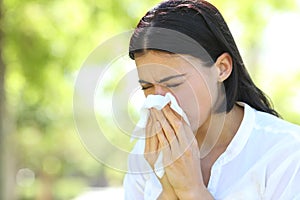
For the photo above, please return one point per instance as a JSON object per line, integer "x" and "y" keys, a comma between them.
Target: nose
{"x": 158, "y": 90}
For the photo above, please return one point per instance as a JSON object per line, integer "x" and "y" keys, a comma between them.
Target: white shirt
{"x": 261, "y": 162}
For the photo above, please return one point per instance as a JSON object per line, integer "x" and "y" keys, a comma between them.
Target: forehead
{"x": 156, "y": 65}
{"x": 155, "y": 54}
{"x": 154, "y": 57}
{"x": 160, "y": 63}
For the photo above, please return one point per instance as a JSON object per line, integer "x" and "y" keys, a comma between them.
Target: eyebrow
{"x": 170, "y": 77}
{"x": 164, "y": 79}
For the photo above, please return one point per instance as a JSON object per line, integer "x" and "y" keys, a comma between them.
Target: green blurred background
{"x": 43, "y": 44}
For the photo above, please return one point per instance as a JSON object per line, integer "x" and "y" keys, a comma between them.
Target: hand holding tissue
{"x": 158, "y": 102}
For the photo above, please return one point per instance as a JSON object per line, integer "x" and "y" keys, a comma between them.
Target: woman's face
{"x": 193, "y": 85}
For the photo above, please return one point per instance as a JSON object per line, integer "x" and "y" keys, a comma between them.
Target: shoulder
{"x": 274, "y": 128}
{"x": 267, "y": 138}
{"x": 261, "y": 132}
{"x": 274, "y": 145}
{"x": 278, "y": 141}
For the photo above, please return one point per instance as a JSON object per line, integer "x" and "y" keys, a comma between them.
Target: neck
{"x": 218, "y": 131}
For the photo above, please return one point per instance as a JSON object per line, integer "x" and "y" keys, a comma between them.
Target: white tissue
{"x": 158, "y": 102}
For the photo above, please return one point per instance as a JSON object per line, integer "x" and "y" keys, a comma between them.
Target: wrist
{"x": 166, "y": 196}
{"x": 201, "y": 193}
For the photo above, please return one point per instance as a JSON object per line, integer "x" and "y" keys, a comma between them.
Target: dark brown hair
{"x": 176, "y": 25}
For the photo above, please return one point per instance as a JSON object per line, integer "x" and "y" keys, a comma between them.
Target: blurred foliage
{"x": 44, "y": 46}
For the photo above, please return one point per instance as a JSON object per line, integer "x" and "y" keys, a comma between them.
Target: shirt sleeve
{"x": 140, "y": 182}
{"x": 133, "y": 189}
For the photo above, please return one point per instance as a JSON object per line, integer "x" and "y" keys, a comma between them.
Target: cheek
{"x": 195, "y": 99}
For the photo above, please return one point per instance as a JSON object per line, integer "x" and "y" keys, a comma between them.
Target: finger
{"x": 191, "y": 141}
{"x": 166, "y": 150}
{"x": 173, "y": 117}
{"x": 185, "y": 135}
{"x": 188, "y": 132}
{"x": 158, "y": 130}
{"x": 162, "y": 138}
{"x": 151, "y": 141}
{"x": 152, "y": 145}
{"x": 168, "y": 131}
{"x": 149, "y": 126}
{"x": 177, "y": 124}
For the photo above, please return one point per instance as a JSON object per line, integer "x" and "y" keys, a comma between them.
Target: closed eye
{"x": 173, "y": 85}
{"x": 145, "y": 87}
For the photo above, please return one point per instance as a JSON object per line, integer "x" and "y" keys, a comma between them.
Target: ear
{"x": 224, "y": 65}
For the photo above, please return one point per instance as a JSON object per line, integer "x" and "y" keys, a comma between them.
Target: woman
{"x": 234, "y": 146}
